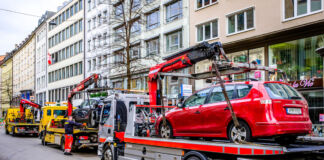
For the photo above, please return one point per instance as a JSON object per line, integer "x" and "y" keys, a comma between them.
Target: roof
{"x": 2, "y": 57}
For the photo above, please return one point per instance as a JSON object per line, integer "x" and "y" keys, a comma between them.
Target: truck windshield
{"x": 59, "y": 112}
{"x": 281, "y": 91}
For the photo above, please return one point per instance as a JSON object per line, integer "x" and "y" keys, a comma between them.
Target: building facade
{"x": 24, "y": 70}
{"x": 65, "y": 45}
{"x": 161, "y": 30}
{"x": 96, "y": 39}
{"x": 278, "y": 33}
{"x": 1, "y": 59}
{"x": 41, "y": 59}
{"x": 6, "y": 83}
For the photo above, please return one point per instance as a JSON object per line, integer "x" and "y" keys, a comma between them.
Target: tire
{"x": 62, "y": 144}
{"x": 107, "y": 154}
{"x": 166, "y": 131}
{"x": 6, "y": 128}
{"x": 194, "y": 155}
{"x": 286, "y": 140}
{"x": 234, "y": 134}
{"x": 92, "y": 120}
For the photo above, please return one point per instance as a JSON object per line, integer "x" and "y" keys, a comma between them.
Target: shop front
{"x": 304, "y": 69}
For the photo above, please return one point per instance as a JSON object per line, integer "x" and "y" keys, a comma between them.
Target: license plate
{"x": 84, "y": 141}
{"x": 293, "y": 111}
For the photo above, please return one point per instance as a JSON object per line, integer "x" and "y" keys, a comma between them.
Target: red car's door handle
{"x": 197, "y": 112}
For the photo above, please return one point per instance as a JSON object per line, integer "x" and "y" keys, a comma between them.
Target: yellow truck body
{"x": 14, "y": 126}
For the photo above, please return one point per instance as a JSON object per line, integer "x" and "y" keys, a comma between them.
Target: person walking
{"x": 68, "y": 126}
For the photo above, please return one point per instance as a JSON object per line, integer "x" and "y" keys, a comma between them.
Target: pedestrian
{"x": 68, "y": 126}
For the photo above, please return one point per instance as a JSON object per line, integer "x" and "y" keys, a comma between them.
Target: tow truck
{"x": 122, "y": 136}
{"x": 54, "y": 131}
{"x": 21, "y": 120}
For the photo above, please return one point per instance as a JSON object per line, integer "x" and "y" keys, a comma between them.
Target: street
{"x": 30, "y": 148}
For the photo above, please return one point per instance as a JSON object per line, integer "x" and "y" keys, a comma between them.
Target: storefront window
{"x": 174, "y": 85}
{"x": 298, "y": 58}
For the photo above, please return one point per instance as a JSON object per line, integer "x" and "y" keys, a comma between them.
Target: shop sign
{"x": 307, "y": 83}
{"x": 321, "y": 117}
{"x": 186, "y": 90}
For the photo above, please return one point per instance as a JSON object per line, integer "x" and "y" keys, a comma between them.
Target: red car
{"x": 264, "y": 109}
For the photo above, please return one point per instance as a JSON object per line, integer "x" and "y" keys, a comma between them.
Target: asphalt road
{"x": 30, "y": 148}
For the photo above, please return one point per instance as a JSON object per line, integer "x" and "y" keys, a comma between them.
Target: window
{"x": 153, "y": 20}
{"x": 76, "y": 28}
{"x": 104, "y": 16}
{"x": 174, "y": 11}
{"x": 94, "y": 22}
{"x": 118, "y": 57}
{"x": 63, "y": 35}
{"x": 80, "y": 5}
{"x": 105, "y": 38}
{"x": 68, "y": 13}
{"x": 89, "y": 65}
{"x": 281, "y": 91}
{"x": 89, "y": 45}
{"x": 80, "y": 68}
{"x": 197, "y": 99}
{"x": 119, "y": 34}
{"x": 136, "y": 27}
{"x": 67, "y": 52}
{"x": 99, "y": 19}
{"x": 152, "y": 46}
{"x": 89, "y": 5}
{"x": 136, "y": 5}
{"x": 67, "y": 31}
{"x": 71, "y": 30}
{"x": 89, "y": 25}
{"x": 149, "y": 1}
{"x": 49, "y": 112}
{"x": 218, "y": 96}
{"x": 76, "y": 8}
{"x": 207, "y": 31}
{"x": 80, "y": 26}
{"x": 81, "y": 46}
{"x": 243, "y": 90}
{"x": 295, "y": 8}
{"x": 174, "y": 41}
{"x": 94, "y": 63}
{"x": 71, "y": 11}
{"x": 75, "y": 69}
{"x": 204, "y": 3}
{"x": 298, "y": 58}
{"x": 241, "y": 21}
{"x": 67, "y": 70}
{"x": 63, "y": 16}
{"x": 135, "y": 52}
{"x": 71, "y": 71}
{"x": 119, "y": 10}
{"x": 63, "y": 73}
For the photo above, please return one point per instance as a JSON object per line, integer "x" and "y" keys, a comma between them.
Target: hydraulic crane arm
{"x": 80, "y": 87}
{"x": 187, "y": 58}
{"x": 22, "y": 108}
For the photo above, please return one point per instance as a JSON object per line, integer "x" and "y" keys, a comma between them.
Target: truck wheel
{"x": 6, "y": 128}
{"x": 63, "y": 144}
{"x": 243, "y": 133}
{"x": 107, "y": 154}
{"x": 194, "y": 155}
{"x": 166, "y": 131}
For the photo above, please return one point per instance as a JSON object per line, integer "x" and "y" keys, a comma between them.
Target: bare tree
{"x": 126, "y": 19}
{"x": 6, "y": 89}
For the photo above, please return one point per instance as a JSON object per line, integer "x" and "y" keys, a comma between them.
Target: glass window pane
{"x": 243, "y": 90}
{"x": 240, "y": 21}
{"x": 231, "y": 24}
{"x": 249, "y": 19}
{"x": 200, "y": 32}
{"x": 289, "y": 8}
{"x": 215, "y": 29}
{"x": 199, "y": 3}
{"x": 218, "y": 96}
{"x": 301, "y": 7}
{"x": 197, "y": 99}
{"x": 207, "y": 31}
{"x": 316, "y": 5}
{"x": 206, "y": 2}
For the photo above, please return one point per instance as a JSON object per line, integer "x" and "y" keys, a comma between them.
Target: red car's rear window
{"x": 281, "y": 91}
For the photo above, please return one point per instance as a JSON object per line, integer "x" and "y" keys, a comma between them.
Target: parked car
{"x": 264, "y": 109}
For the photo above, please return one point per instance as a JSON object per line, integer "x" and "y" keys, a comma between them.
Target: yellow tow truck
{"x": 21, "y": 121}
{"x": 52, "y": 130}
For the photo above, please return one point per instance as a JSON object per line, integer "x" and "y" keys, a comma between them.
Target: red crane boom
{"x": 80, "y": 87}
{"x": 22, "y": 108}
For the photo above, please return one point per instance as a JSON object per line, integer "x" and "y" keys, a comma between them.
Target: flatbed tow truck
{"x": 21, "y": 120}
{"x": 123, "y": 137}
{"x": 53, "y": 132}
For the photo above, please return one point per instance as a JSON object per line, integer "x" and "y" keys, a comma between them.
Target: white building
{"x": 163, "y": 31}
{"x": 96, "y": 39}
{"x": 41, "y": 58}
{"x": 65, "y": 44}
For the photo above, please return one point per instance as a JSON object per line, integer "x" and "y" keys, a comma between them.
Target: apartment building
{"x": 1, "y": 87}
{"x": 23, "y": 70}
{"x": 162, "y": 29}
{"x": 96, "y": 39}
{"x": 65, "y": 45}
{"x": 41, "y": 59}
{"x": 6, "y": 83}
{"x": 279, "y": 33}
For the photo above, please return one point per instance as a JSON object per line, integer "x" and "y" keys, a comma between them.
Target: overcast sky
{"x": 16, "y": 27}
